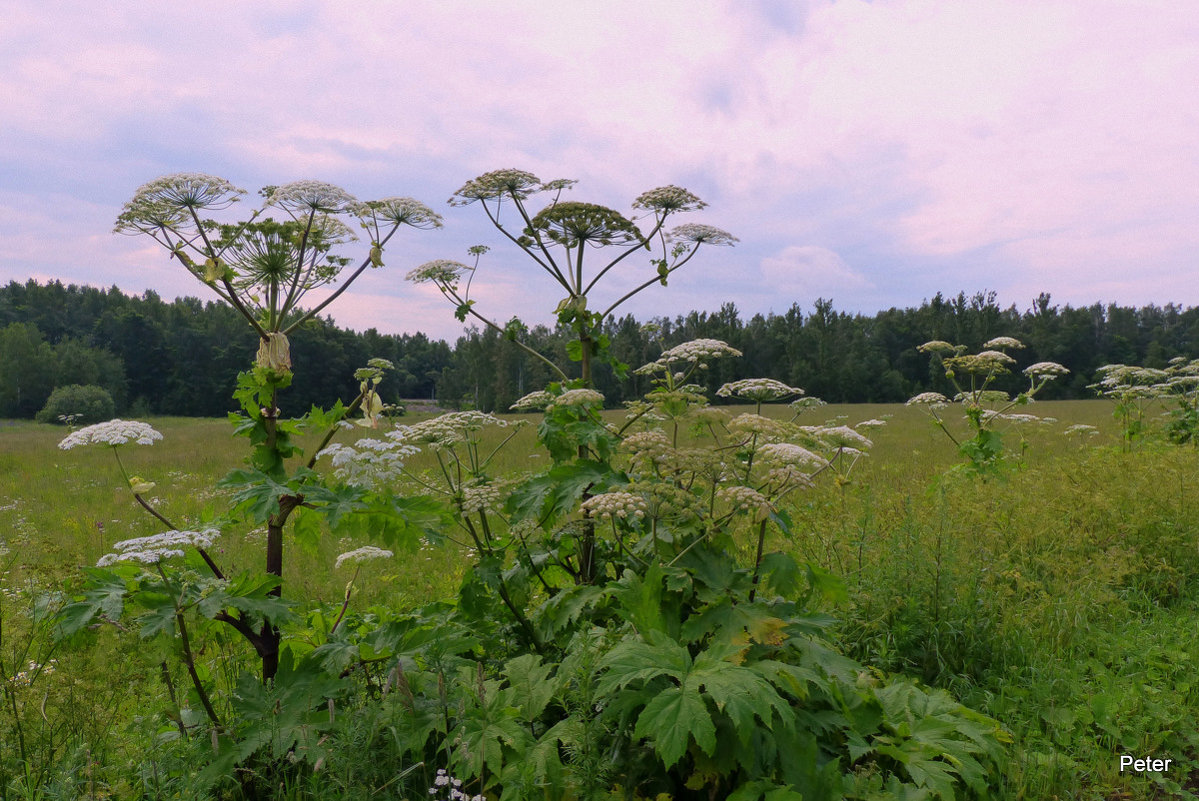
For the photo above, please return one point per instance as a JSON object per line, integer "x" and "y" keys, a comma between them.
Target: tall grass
{"x": 1059, "y": 598}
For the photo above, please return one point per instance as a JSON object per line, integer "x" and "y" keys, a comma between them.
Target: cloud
{"x": 807, "y": 272}
{"x": 923, "y": 142}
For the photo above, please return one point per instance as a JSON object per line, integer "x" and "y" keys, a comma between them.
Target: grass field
{"x": 1060, "y": 599}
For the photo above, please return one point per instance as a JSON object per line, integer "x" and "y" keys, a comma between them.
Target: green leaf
{"x": 671, "y": 719}
{"x": 257, "y": 492}
{"x": 105, "y": 598}
{"x": 555, "y": 492}
{"x": 574, "y": 350}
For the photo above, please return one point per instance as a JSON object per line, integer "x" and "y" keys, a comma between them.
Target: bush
{"x": 78, "y": 404}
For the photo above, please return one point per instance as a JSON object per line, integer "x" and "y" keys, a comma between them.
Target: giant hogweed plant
{"x": 1134, "y": 390}
{"x": 171, "y": 583}
{"x": 987, "y": 410}
{"x": 612, "y": 638}
{"x": 686, "y": 665}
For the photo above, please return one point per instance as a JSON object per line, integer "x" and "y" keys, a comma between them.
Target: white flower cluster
{"x": 370, "y": 463}
{"x": 701, "y": 234}
{"x": 438, "y": 271}
{"x": 615, "y": 504}
{"x": 758, "y": 389}
{"x": 934, "y": 399}
{"x": 114, "y": 432}
{"x": 668, "y": 198}
{"x": 749, "y": 424}
{"x": 993, "y": 396}
{"x": 481, "y": 497}
{"x": 1081, "y": 429}
{"x": 747, "y": 499}
{"x": 158, "y": 547}
{"x": 538, "y": 399}
{"x": 445, "y": 783}
{"x": 363, "y": 554}
{"x": 789, "y": 454}
{"x": 1048, "y": 370}
{"x": 578, "y": 397}
{"x": 307, "y": 196}
{"x": 451, "y": 427}
{"x": 871, "y": 423}
{"x": 937, "y": 346}
{"x": 400, "y": 211}
{"x": 695, "y": 351}
{"x": 1003, "y": 342}
{"x": 842, "y": 437}
{"x": 647, "y": 444}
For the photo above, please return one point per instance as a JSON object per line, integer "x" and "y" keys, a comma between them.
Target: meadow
{"x": 1059, "y": 598}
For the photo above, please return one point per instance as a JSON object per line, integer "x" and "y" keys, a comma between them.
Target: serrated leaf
{"x": 671, "y": 719}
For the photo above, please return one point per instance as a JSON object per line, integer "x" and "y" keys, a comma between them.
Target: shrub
{"x": 77, "y": 403}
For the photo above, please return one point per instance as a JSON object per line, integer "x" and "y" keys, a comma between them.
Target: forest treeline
{"x": 182, "y": 357}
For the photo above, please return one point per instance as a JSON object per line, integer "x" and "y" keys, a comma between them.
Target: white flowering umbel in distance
{"x": 972, "y": 376}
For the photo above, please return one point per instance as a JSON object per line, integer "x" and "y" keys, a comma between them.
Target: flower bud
{"x": 274, "y": 353}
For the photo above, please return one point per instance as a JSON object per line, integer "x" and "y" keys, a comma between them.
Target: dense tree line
{"x": 182, "y": 357}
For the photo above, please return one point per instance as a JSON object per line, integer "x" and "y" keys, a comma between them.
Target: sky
{"x": 872, "y": 153}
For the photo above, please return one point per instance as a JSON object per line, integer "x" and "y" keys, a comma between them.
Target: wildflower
{"x": 165, "y": 201}
{"x": 481, "y": 497}
{"x": 803, "y": 404}
{"x": 746, "y": 499}
{"x": 758, "y": 389}
{"x": 578, "y": 397}
{"x": 1003, "y": 342}
{"x": 872, "y": 423}
{"x": 1048, "y": 370}
{"x": 785, "y": 453}
{"x": 608, "y": 505}
{"x": 114, "y": 432}
{"x": 701, "y": 235}
{"x": 370, "y": 463}
{"x": 538, "y": 399}
{"x": 363, "y": 554}
{"x": 438, "y": 271}
{"x": 516, "y": 184}
{"x": 937, "y": 346}
{"x": 158, "y": 547}
{"x": 842, "y": 437}
{"x": 933, "y": 399}
{"x": 400, "y": 211}
{"x": 748, "y": 425}
{"x": 1081, "y": 429}
{"x": 451, "y": 427}
{"x": 668, "y": 199}
{"x": 993, "y": 396}
{"x": 694, "y": 351}
{"x": 309, "y": 197}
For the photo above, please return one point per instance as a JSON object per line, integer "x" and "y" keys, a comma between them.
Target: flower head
{"x": 578, "y": 397}
{"x": 668, "y": 199}
{"x": 1049, "y": 370}
{"x": 537, "y": 399}
{"x": 307, "y": 197}
{"x": 937, "y": 346}
{"x": 167, "y": 200}
{"x": 363, "y": 554}
{"x": 400, "y": 211}
{"x": 933, "y": 399}
{"x": 512, "y": 183}
{"x": 758, "y": 389}
{"x": 1003, "y": 342}
{"x": 615, "y": 504}
{"x": 438, "y": 271}
{"x": 114, "y": 432}
{"x": 158, "y": 547}
{"x": 701, "y": 235}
